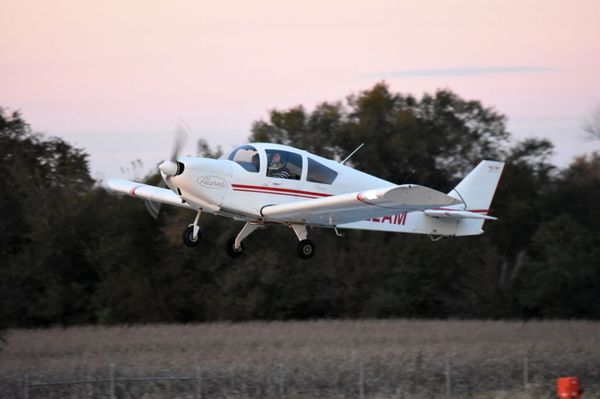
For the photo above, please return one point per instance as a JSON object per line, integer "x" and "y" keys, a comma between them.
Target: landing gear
{"x": 191, "y": 235}
{"x": 188, "y": 237}
{"x": 305, "y": 249}
{"x": 234, "y": 247}
{"x": 231, "y": 250}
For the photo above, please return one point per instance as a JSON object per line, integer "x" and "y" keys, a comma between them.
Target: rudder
{"x": 476, "y": 191}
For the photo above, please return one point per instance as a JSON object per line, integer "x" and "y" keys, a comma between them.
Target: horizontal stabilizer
{"x": 147, "y": 192}
{"x": 443, "y": 213}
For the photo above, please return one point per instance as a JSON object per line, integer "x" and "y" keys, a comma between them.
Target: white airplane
{"x": 265, "y": 184}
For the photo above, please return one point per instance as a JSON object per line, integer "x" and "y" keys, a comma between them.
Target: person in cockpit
{"x": 277, "y": 167}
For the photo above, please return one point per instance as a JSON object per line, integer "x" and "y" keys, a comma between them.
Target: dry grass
{"x": 401, "y": 358}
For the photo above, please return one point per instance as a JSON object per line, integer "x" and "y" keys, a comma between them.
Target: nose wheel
{"x": 191, "y": 235}
{"x": 189, "y": 238}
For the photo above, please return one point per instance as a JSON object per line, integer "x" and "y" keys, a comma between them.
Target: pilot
{"x": 277, "y": 167}
{"x": 256, "y": 162}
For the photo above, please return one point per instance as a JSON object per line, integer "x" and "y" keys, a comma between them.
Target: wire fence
{"x": 280, "y": 381}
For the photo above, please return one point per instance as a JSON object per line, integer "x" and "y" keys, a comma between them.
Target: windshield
{"x": 247, "y": 157}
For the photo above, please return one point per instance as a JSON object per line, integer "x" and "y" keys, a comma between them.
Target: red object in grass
{"x": 568, "y": 387}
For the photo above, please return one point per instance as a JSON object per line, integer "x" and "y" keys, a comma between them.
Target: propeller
{"x": 170, "y": 167}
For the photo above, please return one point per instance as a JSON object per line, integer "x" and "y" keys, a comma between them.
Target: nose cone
{"x": 205, "y": 180}
{"x": 169, "y": 168}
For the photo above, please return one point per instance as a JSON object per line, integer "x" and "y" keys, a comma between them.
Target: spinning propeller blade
{"x": 182, "y": 132}
{"x": 153, "y": 208}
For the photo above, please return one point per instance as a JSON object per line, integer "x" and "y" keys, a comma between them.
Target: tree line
{"x": 73, "y": 253}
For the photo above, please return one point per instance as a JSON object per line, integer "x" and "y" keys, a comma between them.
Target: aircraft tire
{"x": 187, "y": 237}
{"x": 231, "y": 251}
{"x": 305, "y": 249}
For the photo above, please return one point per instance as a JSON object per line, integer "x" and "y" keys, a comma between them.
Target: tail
{"x": 476, "y": 191}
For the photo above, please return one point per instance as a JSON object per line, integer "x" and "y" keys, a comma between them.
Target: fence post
{"x": 361, "y": 380}
{"x": 416, "y": 373}
{"x": 448, "y": 379}
{"x": 281, "y": 380}
{"x": 111, "y": 387}
{"x": 26, "y": 386}
{"x": 526, "y": 372}
{"x": 198, "y": 390}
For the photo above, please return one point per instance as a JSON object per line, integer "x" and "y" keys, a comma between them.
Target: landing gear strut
{"x": 191, "y": 235}
{"x": 234, "y": 246}
{"x": 305, "y": 249}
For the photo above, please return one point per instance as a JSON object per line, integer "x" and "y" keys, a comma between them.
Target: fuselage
{"x": 260, "y": 174}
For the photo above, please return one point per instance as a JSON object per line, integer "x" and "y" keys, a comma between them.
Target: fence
{"x": 112, "y": 382}
{"x": 285, "y": 381}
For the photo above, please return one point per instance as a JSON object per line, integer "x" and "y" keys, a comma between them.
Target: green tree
{"x": 561, "y": 276}
{"x": 592, "y": 125}
{"x": 44, "y": 277}
{"x": 71, "y": 252}
{"x": 561, "y": 272}
{"x": 435, "y": 139}
{"x": 314, "y": 132}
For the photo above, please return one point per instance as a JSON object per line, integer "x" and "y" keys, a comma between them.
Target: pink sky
{"x": 114, "y": 76}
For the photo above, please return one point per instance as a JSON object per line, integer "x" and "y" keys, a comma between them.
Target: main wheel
{"x": 188, "y": 237}
{"x": 305, "y": 249}
{"x": 231, "y": 251}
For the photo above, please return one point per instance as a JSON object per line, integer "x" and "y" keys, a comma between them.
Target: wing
{"x": 354, "y": 207}
{"x": 144, "y": 191}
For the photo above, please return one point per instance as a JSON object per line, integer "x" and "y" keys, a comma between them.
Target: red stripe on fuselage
{"x": 272, "y": 192}
{"x": 275, "y": 190}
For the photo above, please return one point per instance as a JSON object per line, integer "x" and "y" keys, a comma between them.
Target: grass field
{"x": 337, "y": 359}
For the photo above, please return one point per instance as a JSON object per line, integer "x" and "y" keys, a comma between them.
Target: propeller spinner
{"x": 171, "y": 168}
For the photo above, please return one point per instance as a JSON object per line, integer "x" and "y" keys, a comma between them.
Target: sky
{"x": 114, "y": 77}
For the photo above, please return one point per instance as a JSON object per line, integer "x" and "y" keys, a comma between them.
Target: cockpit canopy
{"x": 282, "y": 164}
{"x": 247, "y": 157}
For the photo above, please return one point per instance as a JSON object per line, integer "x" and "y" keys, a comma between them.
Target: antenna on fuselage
{"x": 352, "y": 153}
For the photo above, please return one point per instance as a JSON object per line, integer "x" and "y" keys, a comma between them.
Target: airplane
{"x": 264, "y": 184}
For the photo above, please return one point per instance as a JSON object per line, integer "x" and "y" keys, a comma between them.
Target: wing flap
{"x": 145, "y": 191}
{"x": 353, "y": 207}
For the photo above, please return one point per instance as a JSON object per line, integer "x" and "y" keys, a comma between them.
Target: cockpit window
{"x": 319, "y": 173}
{"x": 247, "y": 157}
{"x": 284, "y": 164}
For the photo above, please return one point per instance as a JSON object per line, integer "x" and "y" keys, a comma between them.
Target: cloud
{"x": 461, "y": 71}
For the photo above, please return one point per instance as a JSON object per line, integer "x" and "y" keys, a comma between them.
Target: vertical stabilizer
{"x": 476, "y": 191}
